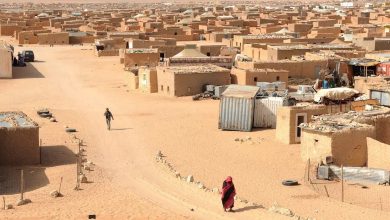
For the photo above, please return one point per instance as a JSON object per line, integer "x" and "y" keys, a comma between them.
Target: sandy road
{"x": 78, "y": 87}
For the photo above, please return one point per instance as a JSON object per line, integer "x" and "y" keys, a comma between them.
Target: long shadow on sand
{"x": 58, "y": 155}
{"x": 247, "y": 208}
{"x": 34, "y": 176}
{"x": 29, "y": 71}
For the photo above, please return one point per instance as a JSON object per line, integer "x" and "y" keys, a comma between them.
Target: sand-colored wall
{"x": 141, "y": 59}
{"x": 210, "y": 50}
{"x": 315, "y": 146}
{"x": 169, "y": 50}
{"x": 298, "y": 69}
{"x": 247, "y": 77}
{"x": 8, "y": 29}
{"x": 19, "y": 146}
{"x": 286, "y": 121}
{"x": 147, "y": 80}
{"x": 54, "y": 38}
{"x": 27, "y": 37}
{"x": 378, "y": 154}
{"x": 81, "y": 39}
{"x": 363, "y": 84}
{"x": 191, "y": 84}
{"x": 188, "y": 83}
{"x": 382, "y": 125}
{"x": 347, "y": 147}
{"x": 5, "y": 63}
{"x": 131, "y": 80}
{"x": 165, "y": 82}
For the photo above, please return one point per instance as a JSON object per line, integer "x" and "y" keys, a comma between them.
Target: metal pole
{"x": 59, "y": 189}
{"x": 342, "y": 183}
{"x": 308, "y": 170}
{"x": 21, "y": 184}
{"x": 40, "y": 151}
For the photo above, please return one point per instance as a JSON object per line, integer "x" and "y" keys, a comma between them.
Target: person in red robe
{"x": 228, "y": 193}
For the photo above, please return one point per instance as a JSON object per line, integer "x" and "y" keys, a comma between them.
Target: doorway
{"x": 299, "y": 119}
{"x": 162, "y": 56}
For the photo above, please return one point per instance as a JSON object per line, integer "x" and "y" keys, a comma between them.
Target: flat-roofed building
{"x": 190, "y": 80}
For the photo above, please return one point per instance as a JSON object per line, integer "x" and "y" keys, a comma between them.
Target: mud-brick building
{"x": 252, "y": 76}
{"x": 147, "y": 79}
{"x": 141, "y": 57}
{"x": 61, "y": 38}
{"x": 6, "y": 55}
{"x": 19, "y": 139}
{"x": 190, "y": 80}
{"x": 342, "y": 138}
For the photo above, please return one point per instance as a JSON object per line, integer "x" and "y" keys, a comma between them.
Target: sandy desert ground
{"x": 127, "y": 183}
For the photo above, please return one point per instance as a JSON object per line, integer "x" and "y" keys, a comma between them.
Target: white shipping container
{"x": 265, "y": 111}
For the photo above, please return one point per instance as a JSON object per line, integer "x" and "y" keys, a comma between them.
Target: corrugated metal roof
{"x": 241, "y": 91}
{"x": 361, "y": 174}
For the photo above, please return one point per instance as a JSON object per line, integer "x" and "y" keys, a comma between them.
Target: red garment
{"x": 228, "y": 193}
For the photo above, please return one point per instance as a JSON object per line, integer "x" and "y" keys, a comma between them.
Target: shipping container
{"x": 236, "y": 108}
{"x": 382, "y": 96}
{"x": 218, "y": 90}
{"x": 265, "y": 111}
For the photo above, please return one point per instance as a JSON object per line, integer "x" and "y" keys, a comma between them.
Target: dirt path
{"x": 77, "y": 89}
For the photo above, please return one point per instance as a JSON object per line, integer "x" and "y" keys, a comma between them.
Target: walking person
{"x": 108, "y": 116}
{"x": 228, "y": 193}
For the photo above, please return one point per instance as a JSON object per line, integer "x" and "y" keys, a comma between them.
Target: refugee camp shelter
{"x": 289, "y": 118}
{"x": 236, "y": 109}
{"x": 19, "y": 139}
{"x": 5, "y": 61}
{"x": 190, "y": 79}
{"x": 147, "y": 79}
{"x": 342, "y": 138}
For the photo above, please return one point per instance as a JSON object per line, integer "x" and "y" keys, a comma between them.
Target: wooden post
{"x": 326, "y": 190}
{"x": 40, "y": 151}
{"x": 59, "y": 188}
{"x": 21, "y": 184}
{"x": 4, "y": 202}
{"x": 342, "y": 183}
{"x": 308, "y": 170}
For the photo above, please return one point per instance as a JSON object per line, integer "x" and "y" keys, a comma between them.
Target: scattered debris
{"x": 177, "y": 174}
{"x": 23, "y": 202}
{"x": 83, "y": 178}
{"x": 290, "y": 182}
{"x": 280, "y": 210}
{"x": 55, "y": 194}
{"x": 70, "y": 130}
{"x": 215, "y": 190}
{"x": 9, "y": 206}
{"x": 190, "y": 179}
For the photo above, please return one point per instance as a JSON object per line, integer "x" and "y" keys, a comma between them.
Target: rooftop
{"x": 15, "y": 119}
{"x": 266, "y": 36}
{"x": 190, "y": 69}
{"x": 141, "y": 50}
{"x": 332, "y": 123}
